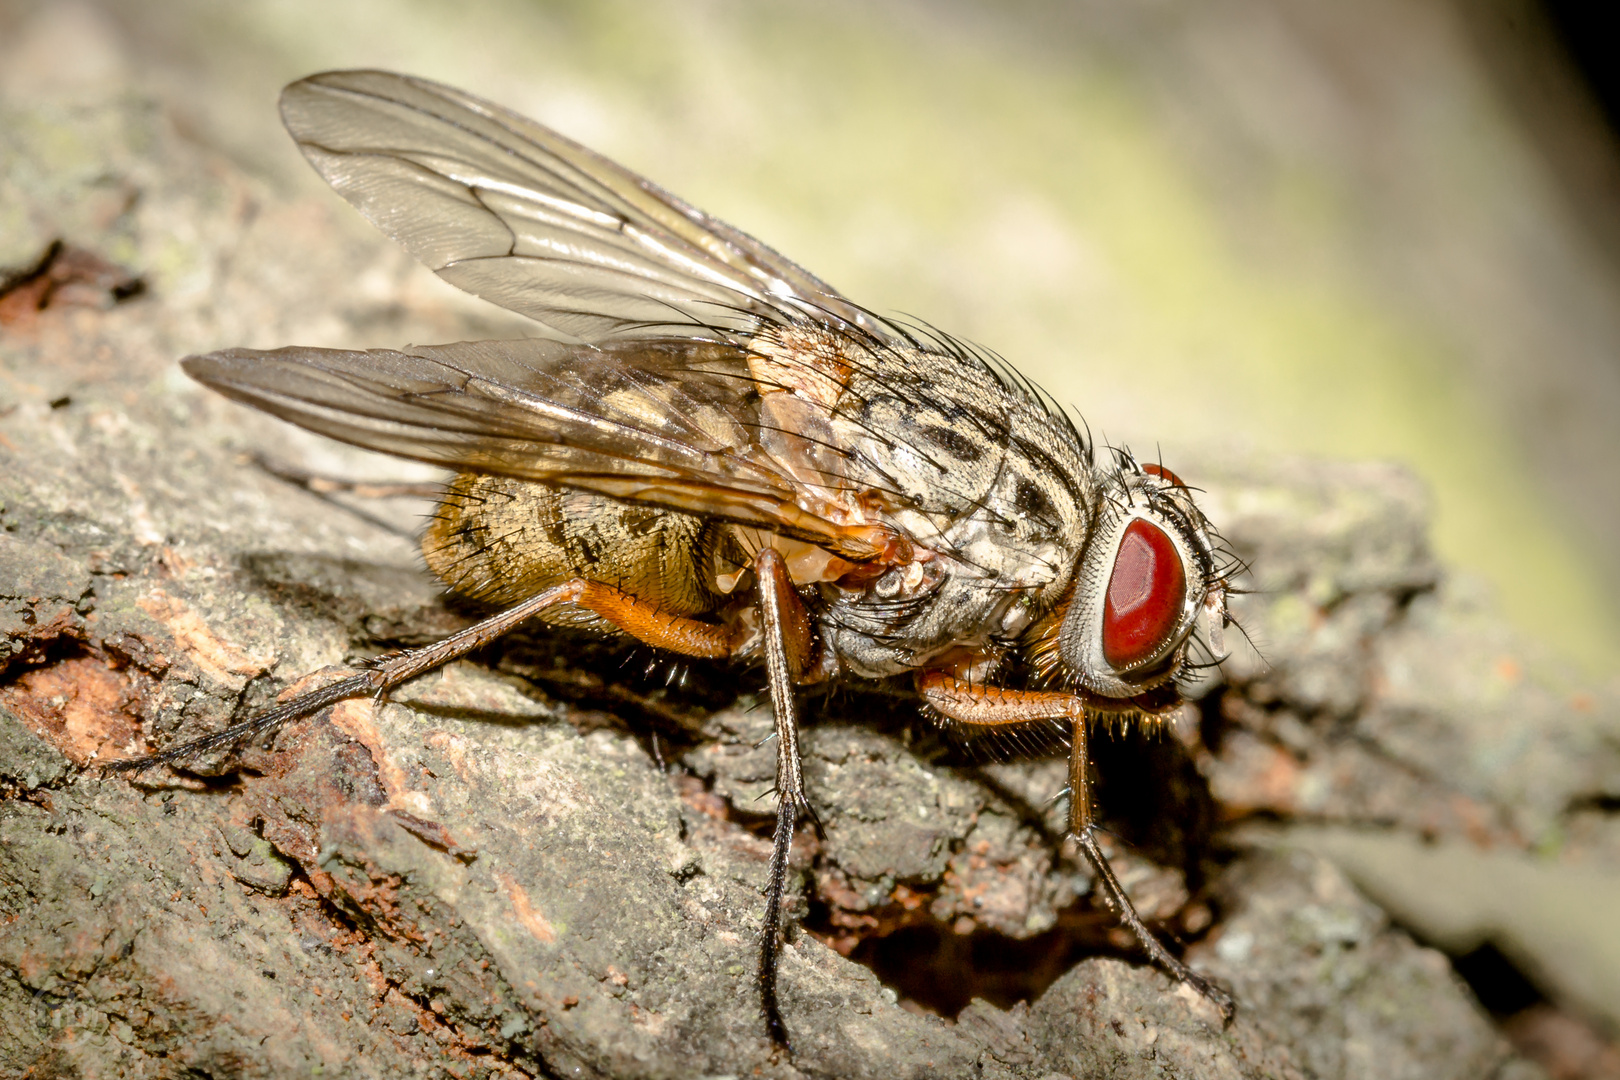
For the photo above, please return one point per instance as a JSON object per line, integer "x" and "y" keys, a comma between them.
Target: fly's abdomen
{"x": 501, "y": 541}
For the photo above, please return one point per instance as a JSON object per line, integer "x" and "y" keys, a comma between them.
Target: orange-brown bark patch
{"x": 219, "y": 659}
{"x": 82, "y": 705}
{"x": 533, "y": 920}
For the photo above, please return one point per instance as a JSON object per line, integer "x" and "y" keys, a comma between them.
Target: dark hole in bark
{"x": 1500, "y": 986}
{"x": 932, "y": 967}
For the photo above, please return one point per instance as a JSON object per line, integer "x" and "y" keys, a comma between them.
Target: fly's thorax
{"x": 502, "y": 540}
{"x": 956, "y": 458}
{"x": 892, "y": 627}
{"x": 1146, "y": 573}
{"x": 989, "y": 485}
{"x": 992, "y": 572}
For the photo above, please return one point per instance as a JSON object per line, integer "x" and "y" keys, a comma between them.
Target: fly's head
{"x": 1152, "y": 569}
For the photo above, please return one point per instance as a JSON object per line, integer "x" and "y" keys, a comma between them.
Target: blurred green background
{"x": 1248, "y": 227}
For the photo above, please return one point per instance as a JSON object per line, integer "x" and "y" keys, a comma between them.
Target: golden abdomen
{"x": 501, "y": 541}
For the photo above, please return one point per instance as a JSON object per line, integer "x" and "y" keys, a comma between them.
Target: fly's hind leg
{"x": 635, "y": 617}
{"x": 989, "y": 706}
{"x": 321, "y": 484}
{"x": 786, "y": 645}
{"x": 328, "y": 488}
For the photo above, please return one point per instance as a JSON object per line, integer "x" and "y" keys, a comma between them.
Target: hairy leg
{"x": 786, "y": 647}
{"x": 991, "y": 706}
{"x": 639, "y": 619}
{"x": 786, "y": 630}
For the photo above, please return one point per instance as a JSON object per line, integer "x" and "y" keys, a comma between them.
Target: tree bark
{"x": 550, "y": 861}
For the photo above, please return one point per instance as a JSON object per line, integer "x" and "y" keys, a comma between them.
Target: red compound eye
{"x": 1163, "y": 474}
{"x": 1146, "y": 594}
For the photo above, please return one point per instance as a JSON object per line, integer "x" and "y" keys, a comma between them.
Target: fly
{"x": 715, "y": 453}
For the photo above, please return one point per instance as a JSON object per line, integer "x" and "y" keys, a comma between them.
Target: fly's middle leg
{"x": 786, "y": 633}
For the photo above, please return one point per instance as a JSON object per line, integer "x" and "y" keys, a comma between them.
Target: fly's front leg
{"x": 1084, "y": 831}
{"x": 786, "y": 631}
{"x": 990, "y": 707}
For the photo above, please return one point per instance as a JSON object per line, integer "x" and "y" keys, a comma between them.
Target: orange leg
{"x": 994, "y": 706}
{"x": 637, "y": 618}
{"x": 645, "y": 622}
{"x": 786, "y": 647}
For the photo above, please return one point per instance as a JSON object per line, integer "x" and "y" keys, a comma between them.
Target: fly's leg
{"x": 990, "y": 706}
{"x": 325, "y": 487}
{"x": 1084, "y": 831}
{"x": 317, "y": 484}
{"x": 786, "y": 632}
{"x": 637, "y": 618}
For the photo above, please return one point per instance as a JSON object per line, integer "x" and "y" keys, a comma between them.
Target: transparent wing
{"x": 509, "y": 210}
{"x": 672, "y": 423}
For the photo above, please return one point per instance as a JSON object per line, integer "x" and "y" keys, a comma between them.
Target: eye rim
{"x": 1079, "y": 644}
{"x": 1149, "y": 625}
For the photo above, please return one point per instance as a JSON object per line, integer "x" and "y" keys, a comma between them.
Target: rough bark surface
{"x": 546, "y": 862}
